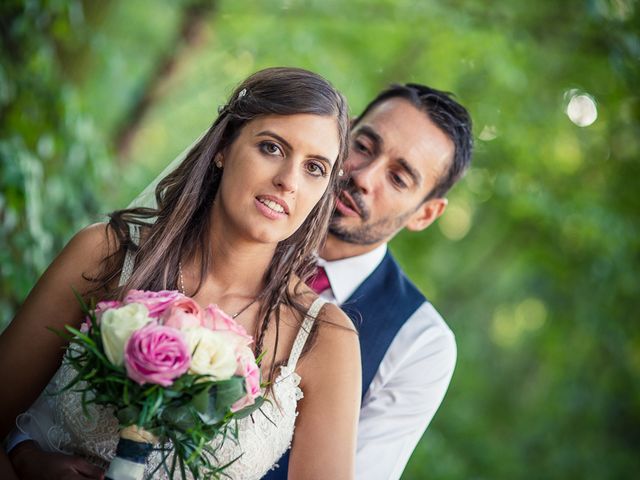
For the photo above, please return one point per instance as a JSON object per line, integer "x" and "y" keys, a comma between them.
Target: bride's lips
{"x": 271, "y": 207}
{"x": 347, "y": 206}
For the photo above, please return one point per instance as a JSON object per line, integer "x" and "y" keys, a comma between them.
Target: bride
{"x": 236, "y": 224}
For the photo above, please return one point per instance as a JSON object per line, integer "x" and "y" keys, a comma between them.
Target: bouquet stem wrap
{"x": 133, "y": 448}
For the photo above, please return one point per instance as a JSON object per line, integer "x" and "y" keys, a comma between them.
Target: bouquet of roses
{"x": 176, "y": 376}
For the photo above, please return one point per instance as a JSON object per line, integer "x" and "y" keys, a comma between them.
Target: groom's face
{"x": 396, "y": 158}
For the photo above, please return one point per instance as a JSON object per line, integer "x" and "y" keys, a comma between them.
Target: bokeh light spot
{"x": 581, "y": 108}
{"x": 488, "y": 133}
{"x": 511, "y": 322}
{"x": 456, "y": 221}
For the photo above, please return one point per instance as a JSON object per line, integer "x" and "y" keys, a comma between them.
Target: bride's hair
{"x": 178, "y": 229}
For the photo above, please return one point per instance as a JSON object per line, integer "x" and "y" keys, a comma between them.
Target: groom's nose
{"x": 366, "y": 175}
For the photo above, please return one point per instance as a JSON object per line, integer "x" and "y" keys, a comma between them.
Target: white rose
{"x": 117, "y": 325}
{"x": 211, "y": 353}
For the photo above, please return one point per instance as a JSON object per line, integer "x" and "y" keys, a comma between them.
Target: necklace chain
{"x": 184, "y": 292}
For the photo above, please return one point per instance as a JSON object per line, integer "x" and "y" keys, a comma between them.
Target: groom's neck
{"x": 336, "y": 249}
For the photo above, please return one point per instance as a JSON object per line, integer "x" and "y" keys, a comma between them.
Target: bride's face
{"x": 275, "y": 172}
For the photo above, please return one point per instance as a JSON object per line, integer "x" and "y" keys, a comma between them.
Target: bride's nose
{"x": 287, "y": 177}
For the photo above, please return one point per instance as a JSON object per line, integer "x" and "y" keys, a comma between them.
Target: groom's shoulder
{"x": 427, "y": 320}
{"x": 396, "y": 275}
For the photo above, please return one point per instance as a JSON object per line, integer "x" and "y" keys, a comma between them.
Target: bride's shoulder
{"x": 334, "y": 354}
{"x": 98, "y": 238}
{"x": 330, "y": 315}
{"x": 92, "y": 244}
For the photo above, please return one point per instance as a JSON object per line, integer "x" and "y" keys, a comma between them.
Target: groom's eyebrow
{"x": 269, "y": 133}
{"x": 378, "y": 143}
{"x": 374, "y": 136}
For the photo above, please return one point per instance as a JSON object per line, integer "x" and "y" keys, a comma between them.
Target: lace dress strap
{"x": 304, "y": 331}
{"x": 130, "y": 256}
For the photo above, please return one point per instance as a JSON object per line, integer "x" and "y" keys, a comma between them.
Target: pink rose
{"x": 86, "y": 325}
{"x": 156, "y": 302}
{"x": 248, "y": 369}
{"x": 106, "y": 305}
{"x": 156, "y": 354}
{"x": 217, "y": 319}
{"x": 183, "y": 313}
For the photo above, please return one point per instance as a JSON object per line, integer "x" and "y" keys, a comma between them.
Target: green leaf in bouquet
{"x": 86, "y": 340}
{"x": 229, "y": 392}
{"x": 90, "y": 374}
{"x": 61, "y": 333}
{"x": 103, "y": 398}
{"x": 246, "y": 411}
{"x": 128, "y": 415}
{"x": 125, "y": 393}
{"x": 151, "y": 390}
{"x": 169, "y": 393}
{"x": 88, "y": 344}
{"x": 142, "y": 417}
{"x": 200, "y": 401}
{"x": 113, "y": 378}
{"x": 197, "y": 452}
{"x": 260, "y": 357}
{"x": 212, "y": 414}
{"x": 181, "y": 418}
{"x": 158, "y": 399}
{"x": 182, "y": 383}
{"x": 149, "y": 399}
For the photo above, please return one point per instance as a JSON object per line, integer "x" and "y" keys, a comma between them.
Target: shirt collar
{"x": 346, "y": 275}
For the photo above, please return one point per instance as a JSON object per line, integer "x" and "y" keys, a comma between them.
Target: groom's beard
{"x": 364, "y": 232}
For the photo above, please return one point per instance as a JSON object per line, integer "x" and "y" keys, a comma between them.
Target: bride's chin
{"x": 266, "y": 235}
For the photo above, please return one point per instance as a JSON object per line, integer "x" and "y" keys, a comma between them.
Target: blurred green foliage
{"x": 535, "y": 263}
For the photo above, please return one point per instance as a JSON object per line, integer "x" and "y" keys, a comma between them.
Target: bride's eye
{"x": 270, "y": 148}
{"x": 316, "y": 169}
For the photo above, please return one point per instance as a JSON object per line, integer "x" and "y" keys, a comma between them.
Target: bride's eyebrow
{"x": 271, "y": 134}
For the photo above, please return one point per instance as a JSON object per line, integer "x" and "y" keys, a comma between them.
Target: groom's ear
{"x": 426, "y": 214}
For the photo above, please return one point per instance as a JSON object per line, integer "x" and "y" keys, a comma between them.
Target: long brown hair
{"x": 179, "y": 227}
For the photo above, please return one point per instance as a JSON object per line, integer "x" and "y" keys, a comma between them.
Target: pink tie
{"x": 319, "y": 282}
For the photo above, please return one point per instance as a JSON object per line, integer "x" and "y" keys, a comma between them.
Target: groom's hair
{"x": 448, "y": 115}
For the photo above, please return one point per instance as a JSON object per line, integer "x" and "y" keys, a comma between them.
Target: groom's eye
{"x": 360, "y": 147}
{"x": 397, "y": 180}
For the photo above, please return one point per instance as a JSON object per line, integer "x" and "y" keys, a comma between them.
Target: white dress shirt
{"x": 410, "y": 382}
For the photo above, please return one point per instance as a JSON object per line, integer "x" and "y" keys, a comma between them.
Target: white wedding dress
{"x": 58, "y": 424}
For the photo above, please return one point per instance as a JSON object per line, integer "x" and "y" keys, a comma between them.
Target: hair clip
{"x": 340, "y": 173}
{"x": 242, "y": 93}
{"x": 221, "y": 108}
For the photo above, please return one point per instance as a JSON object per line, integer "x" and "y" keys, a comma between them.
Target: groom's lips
{"x": 347, "y": 206}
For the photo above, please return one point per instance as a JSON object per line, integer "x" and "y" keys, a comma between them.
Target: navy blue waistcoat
{"x": 378, "y": 308}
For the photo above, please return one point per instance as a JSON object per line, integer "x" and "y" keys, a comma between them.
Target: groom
{"x": 409, "y": 147}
